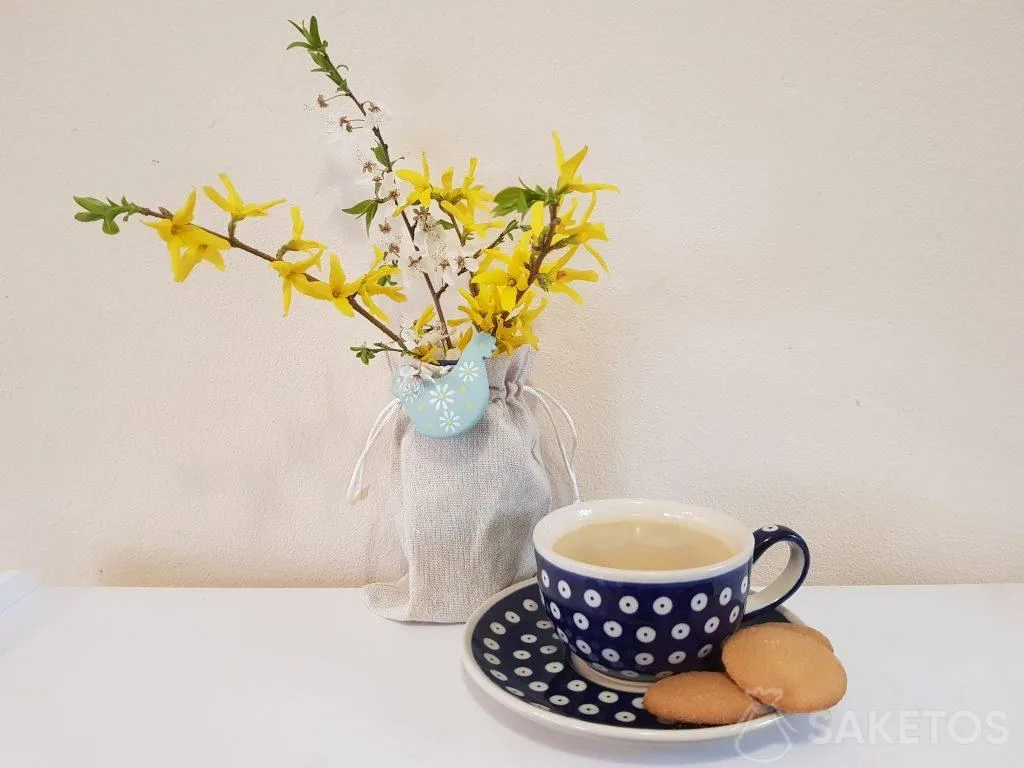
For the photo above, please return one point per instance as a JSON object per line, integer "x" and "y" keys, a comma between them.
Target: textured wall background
{"x": 815, "y": 313}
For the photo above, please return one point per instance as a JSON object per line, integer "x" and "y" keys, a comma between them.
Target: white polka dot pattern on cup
{"x": 563, "y": 589}
{"x": 545, "y": 579}
{"x": 770, "y": 528}
{"x": 646, "y": 634}
{"x": 662, "y": 606}
{"x": 589, "y": 709}
{"x": 744, "y": 584}
{"x": 639, "y": 635}
{"x": 638, "y": 702}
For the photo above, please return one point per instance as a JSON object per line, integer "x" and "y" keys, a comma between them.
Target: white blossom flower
{"x": 412, "y": 378}
{"x": 447, "y": 269}
{"x": 374, "y": 114}
{"x": 466, "y": 259}
{"x": 371, "y": 170}
{"x": 442, "y": 397}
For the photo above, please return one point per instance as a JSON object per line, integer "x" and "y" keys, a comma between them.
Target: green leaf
{"x": 298, "y": 44}
{"x": 370, "y": 213}
{"x": 382, "y": 156}
{"x": 364, "y": 353}
{"x": 360, "y": 208}
{"x": 107, "y": 212}
{"x": 314, "y": 33}
{"x": 446, "y": 224}
{"x": 509, "y": 200}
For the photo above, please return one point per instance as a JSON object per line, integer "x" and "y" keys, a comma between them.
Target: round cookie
{"x": 803, "y": 629}
{"x": 788, "y": 670}
{"x": 703, "y": 698}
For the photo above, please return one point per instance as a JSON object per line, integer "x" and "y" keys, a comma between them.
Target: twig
{"x": 236, "y": 243}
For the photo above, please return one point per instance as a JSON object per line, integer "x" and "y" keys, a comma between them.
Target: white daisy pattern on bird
{"x": 442, "y": 397}
{"x": 450, "y": 421}
{"x": 469, "y": 371}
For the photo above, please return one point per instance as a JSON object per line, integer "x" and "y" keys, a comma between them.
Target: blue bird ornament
{"x": 452, "y": 404}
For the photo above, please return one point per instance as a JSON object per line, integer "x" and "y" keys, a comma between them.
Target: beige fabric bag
{"x": 465, "y": 507}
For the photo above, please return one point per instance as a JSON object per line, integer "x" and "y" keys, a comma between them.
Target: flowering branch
{"x": 316, "y": 47}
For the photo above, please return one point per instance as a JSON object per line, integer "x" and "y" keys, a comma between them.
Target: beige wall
{"x": 814, "y": 317}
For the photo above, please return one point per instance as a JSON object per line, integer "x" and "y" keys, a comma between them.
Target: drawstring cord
{"x": 357, "y": 491}
{"x": 542, "y": 398}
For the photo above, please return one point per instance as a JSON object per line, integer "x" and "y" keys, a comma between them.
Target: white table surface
{"x": 304, "y": 678}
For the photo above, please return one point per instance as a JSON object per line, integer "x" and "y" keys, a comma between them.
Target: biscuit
{"x": 803, "y": 629}
{"x": 788, "y": 670}
{"x": 702, "y": 698}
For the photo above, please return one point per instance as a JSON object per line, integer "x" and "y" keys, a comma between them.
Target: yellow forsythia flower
{"x": 297, "y": 243}
{"x": 187, "y": 244}
{"x": 567, "y": 170}
{"x": 292, "y": 275}
{"x": 422, "y": 191}
{"x": 234, "y": 204}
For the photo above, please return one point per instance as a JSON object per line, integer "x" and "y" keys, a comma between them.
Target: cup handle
{"x": 793, "y": 574}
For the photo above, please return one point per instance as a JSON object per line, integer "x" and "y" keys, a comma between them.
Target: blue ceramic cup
{"x": 641, "y": 625}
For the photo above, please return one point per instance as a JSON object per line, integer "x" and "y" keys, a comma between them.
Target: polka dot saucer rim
{"x": 571, "y": 722}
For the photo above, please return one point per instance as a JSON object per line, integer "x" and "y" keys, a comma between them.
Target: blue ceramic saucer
{"x": 511, "y": 650}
